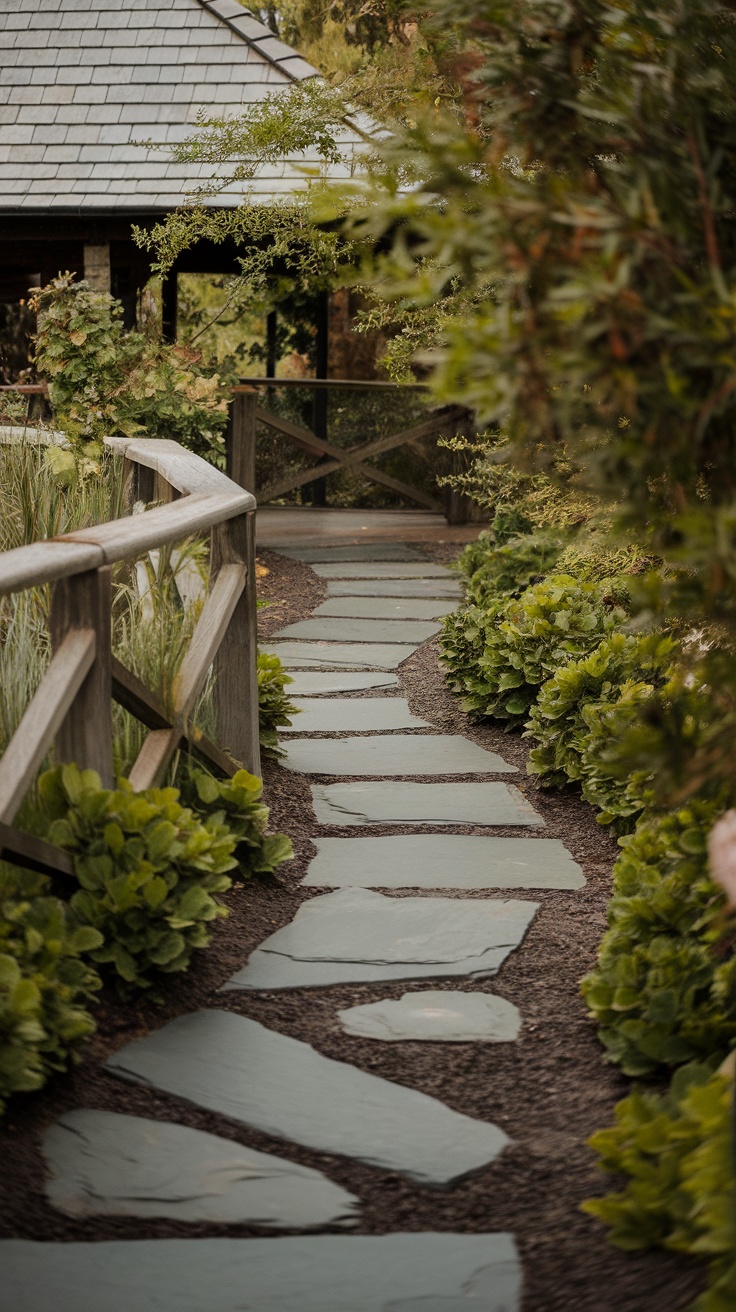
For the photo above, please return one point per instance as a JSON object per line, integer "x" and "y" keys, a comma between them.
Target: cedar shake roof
{"x": 82, "y": 81}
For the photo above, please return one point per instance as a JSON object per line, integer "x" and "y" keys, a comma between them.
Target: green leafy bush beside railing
{"x": 274, "y": 708}
{"x": 676, "y": 1150}
{"x": 150, "y": 868}
{"x": 45, "y": 989}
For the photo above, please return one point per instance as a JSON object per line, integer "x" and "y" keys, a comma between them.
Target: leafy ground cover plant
{"x": 149, "y": 868}
{"x": 676, "y": 1150}
{"x": 274, "y": 707}
{"x": 46, "y": 987}
{"x": 499, "y": 656}
{"x": 560, "y": 723}
{"x": 664, "y": 988}
{"x": 509, "y": 567}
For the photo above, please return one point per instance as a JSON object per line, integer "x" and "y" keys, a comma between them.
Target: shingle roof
{"x": 82, "y": 81}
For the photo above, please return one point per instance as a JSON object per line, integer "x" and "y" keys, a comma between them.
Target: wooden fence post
{"x": 236, "y": 663}
{"x": 241, "y": 439}
{"x": 84, "y": 601}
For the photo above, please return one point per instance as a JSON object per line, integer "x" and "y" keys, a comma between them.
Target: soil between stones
{"x": 549, "y": 1091}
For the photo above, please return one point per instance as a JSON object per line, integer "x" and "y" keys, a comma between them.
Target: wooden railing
{"x": 72, "y": 707}
{"x": 247, "y": 413}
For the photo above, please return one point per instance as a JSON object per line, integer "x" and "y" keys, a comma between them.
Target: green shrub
{"x": 103, "y": 379}
{"x": 239, "y": 801}
{"x": 662, "y": 989}
{"x": 499, "y": 656}
{"x": 560, "y": 722}
{"x": 45, "y": 987}
{"x": 274, "y": 707}
{"x": 676, "y": 1149}
{"x": 508, "y": 568}
{"x": 149, "y": 870}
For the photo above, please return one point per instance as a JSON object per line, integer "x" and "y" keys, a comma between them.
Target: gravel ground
{"x": 549, "y": 1091}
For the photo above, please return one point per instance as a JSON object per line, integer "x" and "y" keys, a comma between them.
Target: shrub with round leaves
{"x": 560, "y": 722}
{"x": 274, "y": 707}
{"x": 664, "y": 987}
{"x": 509, "y": 568}
{"x": 45, "y": 987}
{"x": 499, "y": 656}
{"x": 676, "y": 1150}
{"x": 149, "y": 868}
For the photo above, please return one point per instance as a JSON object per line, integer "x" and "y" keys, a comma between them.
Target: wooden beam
{"x": 209, "y": 633}
{"x": 135, "y": 697}
{"x": 33, "y": 853}
{"x": 43, "y": 718}
{"x": 85, "y": 734}
{"x": 153, "y": 759}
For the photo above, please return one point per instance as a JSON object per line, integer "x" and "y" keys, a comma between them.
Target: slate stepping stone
{"x": 361, "y": 551}
{"x": 435, "y": 1016}
{"x": 380, "y": 570}
{"x": 388, "y": 802}
{"x": 336, "y": 656}
{"x": 354, "y": 936}
{"x": 383, "y": 608}
{"x": 104, "y": 1164}
{"x": 282, "y": 1087}
{"x": 359, "y": 714}
{"x": 322, "y": 1273}
{"x": 346, "y": 630}
{"x": 317, "y": 683}
{"x": 394, "y": 588}
{"x": 387, "y": 754}
{"x": 467, "y": 861}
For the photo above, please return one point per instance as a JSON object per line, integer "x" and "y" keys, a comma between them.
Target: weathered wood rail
{"x": 72, "y": 707}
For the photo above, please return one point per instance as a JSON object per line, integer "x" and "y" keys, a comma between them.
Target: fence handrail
{"x": 348, "y": 384}
{"x": 209, "y": 498}
{"x": 72, "y": 706}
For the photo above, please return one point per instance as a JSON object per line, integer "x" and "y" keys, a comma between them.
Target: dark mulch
{"x": 549, "y": 1091}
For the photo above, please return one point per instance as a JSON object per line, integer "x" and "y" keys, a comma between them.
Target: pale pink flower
{"x": 722, "y": 853}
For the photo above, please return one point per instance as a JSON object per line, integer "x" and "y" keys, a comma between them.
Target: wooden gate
{"x": 248, "y": 412}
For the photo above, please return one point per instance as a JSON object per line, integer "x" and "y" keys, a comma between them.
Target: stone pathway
{"x": 376, "y": 764}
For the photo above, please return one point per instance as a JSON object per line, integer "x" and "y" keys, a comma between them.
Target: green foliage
{"x": 500, "y": 655}
{"x": 571, "y": 704}
{"x": 149, "y": 870}
{"x": 239, "y": 802}
{"x": 664, "y": 988}
{"x": 104, "y": 380}
{"x": 506, "y": 567}
{"x": 274, "y": 707}
{"x": 45, "y": 988}
{"x": 677, "y": 1150}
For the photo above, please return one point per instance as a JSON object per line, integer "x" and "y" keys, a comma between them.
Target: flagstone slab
{"x": 281, "y": 1086}
{"x": 358, "y": 714}
{"x": 361, "y": 551}
{"x": 389, "y": 754}
{"x": 435, "y": 1016}
{"x": 421, "y": 1272}
{"x": 383, "y": 608}
{"x": 421, "y": 569}
{"x": 394, "y": 588}
{"x": 467, "y": 861}
{"x": 105, "y": 1164}
{"x": 318, "y": 683}
{"x": 335, "y": 655}
{"x": 391, "y": 802}
{"x": 356, "y": 936}
{"x": 347, "y": 630}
